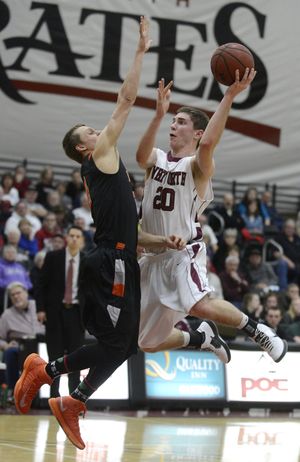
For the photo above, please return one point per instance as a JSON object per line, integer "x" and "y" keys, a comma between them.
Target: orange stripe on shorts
{"x": 119, "y": 290}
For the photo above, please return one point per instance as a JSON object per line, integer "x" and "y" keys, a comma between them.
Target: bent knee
{"x": 150, "y": 349}
{"x": 146, "y": 348}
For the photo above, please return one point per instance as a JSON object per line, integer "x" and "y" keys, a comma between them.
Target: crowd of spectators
{"x": 254, "y": 259}
{"x": 262, "y": 282}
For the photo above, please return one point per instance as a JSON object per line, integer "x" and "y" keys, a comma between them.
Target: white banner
{"x": 253, "y": 376}
{"x": 62, "y": 62}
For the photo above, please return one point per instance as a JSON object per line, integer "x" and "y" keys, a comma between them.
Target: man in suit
{"x": 59, "y": 302}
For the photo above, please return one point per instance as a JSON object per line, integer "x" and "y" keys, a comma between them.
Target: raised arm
{"x": 126, "y": 97}
{"x": 146, "y": 153}
{"x": 213, "y": 132}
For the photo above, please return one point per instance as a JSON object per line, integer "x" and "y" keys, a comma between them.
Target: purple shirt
{"x": 13, "y": 272}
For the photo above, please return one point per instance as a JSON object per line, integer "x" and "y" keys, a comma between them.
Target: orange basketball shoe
{"x": 66, "y": 410}
{"x": 31, "y": 380}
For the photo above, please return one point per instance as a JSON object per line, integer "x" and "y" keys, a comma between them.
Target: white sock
{"x": 243, "y": 321}
{"x": 186, "y": 338}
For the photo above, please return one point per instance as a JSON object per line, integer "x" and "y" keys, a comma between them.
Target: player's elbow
{"x": 206, "y": 144}
{"x": 142, "y": 158}
{"x": 126, "y": 99}
{"x": 141, "y": 163}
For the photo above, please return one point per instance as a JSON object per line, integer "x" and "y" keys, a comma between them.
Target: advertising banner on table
{"x": 183, "y": 375}
{"x": 63, "y": 62}
{"x": 253, "y": 376}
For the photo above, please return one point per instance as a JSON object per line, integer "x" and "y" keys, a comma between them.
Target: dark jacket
{"x": 50, "y": 286}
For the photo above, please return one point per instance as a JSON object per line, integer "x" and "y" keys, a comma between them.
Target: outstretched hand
{"x": 163, "y": 97}
{"x": 240, "y": 85}
{"x": 145, "y": 42}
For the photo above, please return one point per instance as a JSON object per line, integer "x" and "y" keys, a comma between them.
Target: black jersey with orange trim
{"x": 112, "y": 204}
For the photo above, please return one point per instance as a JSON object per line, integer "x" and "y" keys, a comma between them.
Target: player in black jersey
{"x": 110, "y": 278}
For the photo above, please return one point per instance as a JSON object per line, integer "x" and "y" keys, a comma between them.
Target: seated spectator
{"x": 11, "y": 271}
{"x": 293, "y": 313}
{"x": 294, "y": 331}
{"x": 34, "y": 208}
{"x": 45, "y": 185}
{"x": 229, "y": 243}
{"x": 13, "y": 238}
{"x": 287, "y": 296}
{"x": 27, "y": 242}
{"x": 65, "y": 200}
{"x": 275, "y": 219}
{"x": 75, "y": 188}
{"x": 16, "y": 322}
{"x": 252, "y": 306}
{"x": 253, "y": 228}
{"x": 214, "y": 281}
{"x": 252, "y": 195}
{"x": 21, "y": 181}
{"x": 233, "y": 281}
{"x": 5, "y": 212}
{"x": 58, "y": 242}
{"x": 271, "y": 300}
{"x": 48, "y": 230}
{"x": 290, "y": 243}
{"x": 53, "y": 201}
{"x": 8, "y": 193}
{"x": 260, "y": 275}
{"x": 21, "y": 211}
{"x": 273, "y": 319}
{"x": 209, "y": 232}
{"x": 55, "y": 204}
{"x": 229, "y": 212}
{"x": 88, "y": 234}
{"x": 84, "y": 211}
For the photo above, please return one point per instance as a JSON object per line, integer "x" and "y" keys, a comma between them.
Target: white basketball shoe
{"x": 213, "y": 342}
{"x": 267, "y": 339}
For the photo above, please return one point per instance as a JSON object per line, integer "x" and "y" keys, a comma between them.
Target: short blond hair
{"x": 15, "y": 285}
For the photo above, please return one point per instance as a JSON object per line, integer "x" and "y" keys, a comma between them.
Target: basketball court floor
{"x": 112, "y": 437}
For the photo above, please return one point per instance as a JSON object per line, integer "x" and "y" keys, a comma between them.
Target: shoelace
{"x": 264, "y": 341}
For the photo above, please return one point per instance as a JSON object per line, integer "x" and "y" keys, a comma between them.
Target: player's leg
{"x": 174, "y": 275}
{"x": 157, "y": 333}
{"x": 174, "y": 340}
{"x": 102, "y": 362}
{"x": 225, "y": 313}
{"x": 114, "y": 320}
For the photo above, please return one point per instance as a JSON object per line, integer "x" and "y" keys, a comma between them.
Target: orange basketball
{"x": 227, "y": 58}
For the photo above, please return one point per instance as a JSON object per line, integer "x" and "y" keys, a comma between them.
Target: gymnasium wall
{"x": 62, "y": 62}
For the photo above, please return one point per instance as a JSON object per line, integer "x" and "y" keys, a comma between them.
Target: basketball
{"x": 227, "y": 58}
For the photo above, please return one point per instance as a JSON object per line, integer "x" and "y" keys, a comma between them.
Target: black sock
{"x": 196, "y": 338}
{"x": 56, "y": 368}
{"x": 82, "y": 392}
{"x": 250, "y": 327}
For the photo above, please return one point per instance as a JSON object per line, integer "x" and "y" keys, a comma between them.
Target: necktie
{"x": 69, "y": 283}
